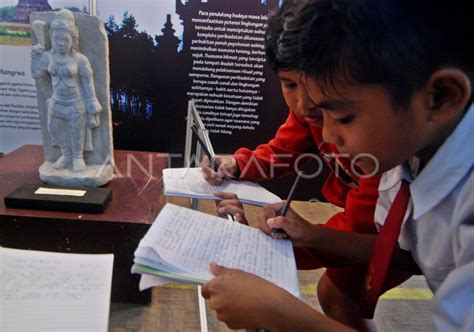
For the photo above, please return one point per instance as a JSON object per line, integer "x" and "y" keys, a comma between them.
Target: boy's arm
{"x": 244, "y": 300}
{"x": 269, "y": 160}
{"x": 453, "y": 301}
{"x": 335, "y": 247}
{"x": 278, "y": 156}
{"x": 343, "y": 248}
{"x": 340, "y": 247}
{"x": 359, "y": 205}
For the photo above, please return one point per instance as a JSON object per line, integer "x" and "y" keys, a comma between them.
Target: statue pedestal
{"x": 93, "y": 176}
{"x": 54, "y": 198}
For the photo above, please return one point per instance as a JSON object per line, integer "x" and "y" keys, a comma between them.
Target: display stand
{"x": 136, "y": 187}
{"x": 193, "y": 119}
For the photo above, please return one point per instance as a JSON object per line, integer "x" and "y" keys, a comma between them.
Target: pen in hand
{"x": 284, "y": 210}
{"x": 212, "y": 160}
{"x": 214, "y": 164}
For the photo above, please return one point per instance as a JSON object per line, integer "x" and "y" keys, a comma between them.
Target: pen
{"x": 230, "y": 217}
{"x": 213, "y": 162}
{"x": 285, "y": 208}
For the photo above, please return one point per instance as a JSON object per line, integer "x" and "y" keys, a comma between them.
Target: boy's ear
{"x": 447, "y": 92}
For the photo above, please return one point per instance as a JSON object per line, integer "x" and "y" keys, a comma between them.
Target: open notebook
{"x": 182, "y": 242}
{"x": 189, "y": 182}
{"x": 48, "y": 291}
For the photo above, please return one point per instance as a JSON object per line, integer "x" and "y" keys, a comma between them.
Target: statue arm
{"x": 39, "y": 62}
{"x": 87, "y": 81}
{"x": 39, "y": 57}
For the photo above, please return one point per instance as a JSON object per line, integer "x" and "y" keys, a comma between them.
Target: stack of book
{"x": 181, "y": 243}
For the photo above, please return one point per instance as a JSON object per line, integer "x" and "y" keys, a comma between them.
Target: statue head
{"x": 65, "y": 22}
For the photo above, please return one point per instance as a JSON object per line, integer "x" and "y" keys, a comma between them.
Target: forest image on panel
{"x": 145, "y": 75}
{"x": 150, "y": 81}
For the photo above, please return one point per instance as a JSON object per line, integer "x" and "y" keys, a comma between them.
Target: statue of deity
{"x": 71, "y": 117}
{"x": 73, "y": 111}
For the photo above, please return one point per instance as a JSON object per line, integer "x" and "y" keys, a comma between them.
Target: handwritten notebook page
{"x": 190, "y": 240}
{"x": 45, "y": 291}
{"x": 189, "y": 182}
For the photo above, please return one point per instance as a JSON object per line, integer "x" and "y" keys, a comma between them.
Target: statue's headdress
{"x": 65, "y": 20}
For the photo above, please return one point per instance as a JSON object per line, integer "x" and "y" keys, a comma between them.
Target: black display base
{"x": 95, "y": 200}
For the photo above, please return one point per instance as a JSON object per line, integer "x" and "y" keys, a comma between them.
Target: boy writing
{"x": 392, "y": 80}
{"x": 340, "y": 286}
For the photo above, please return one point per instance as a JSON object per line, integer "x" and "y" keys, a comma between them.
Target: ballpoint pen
{"x": 285, "y": 208}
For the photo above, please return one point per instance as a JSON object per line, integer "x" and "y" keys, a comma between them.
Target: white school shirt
{"x": 439, "y": 224}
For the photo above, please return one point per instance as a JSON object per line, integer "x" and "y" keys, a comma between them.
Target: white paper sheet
{"x": 189, "y": 182}
{"x": 45, "y": 291}
{"x": 190, "y": 240}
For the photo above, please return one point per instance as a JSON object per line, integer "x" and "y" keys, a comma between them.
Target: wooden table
{"x": 136, "y": 189}
{"x": 175, "y": 307}
{"x": 136, "y": 202}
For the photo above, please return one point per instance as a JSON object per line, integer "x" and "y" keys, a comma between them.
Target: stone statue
{"x": 77, "y": 142}
{"x": 70, "y": 116}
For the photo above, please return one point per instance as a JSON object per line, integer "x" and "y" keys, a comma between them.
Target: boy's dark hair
{"x": 277, "y": 21}
{"x": 395, "y": 43}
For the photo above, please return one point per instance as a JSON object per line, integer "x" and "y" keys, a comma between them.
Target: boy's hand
{"x": 227, "y": 169}
{"x": 297, "y": 229}
{"x": 241, "y": 299}
{"x": 245, "y": 301}
{"x": 230, "y": 203}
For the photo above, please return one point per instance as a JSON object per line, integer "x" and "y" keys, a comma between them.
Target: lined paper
{"x": 189, "y": 182}
{"x": 45, "y": 291}
{"x": 182, "y": 240}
